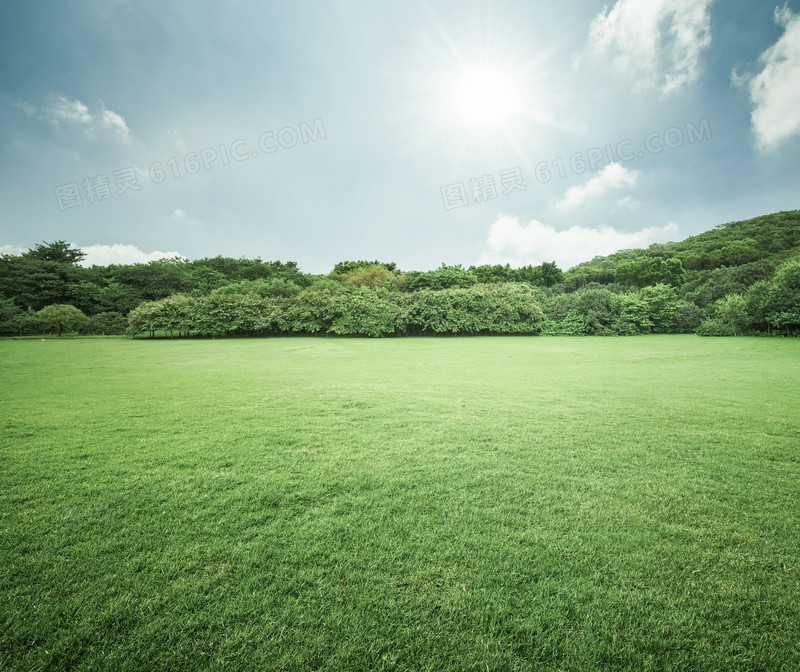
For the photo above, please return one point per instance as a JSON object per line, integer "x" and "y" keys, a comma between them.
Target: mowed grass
{"x": 400, "y": 504}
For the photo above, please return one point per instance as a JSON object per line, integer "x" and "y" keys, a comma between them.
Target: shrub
{"x": 107, "y": 324}
{"x": 22, "y": 323}
{"x": 714, "y": 327}
{"x": 366, "y": 312}
{"x": 573, "y": 324}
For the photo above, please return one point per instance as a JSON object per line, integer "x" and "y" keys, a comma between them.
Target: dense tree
{"x": 783, "y": 298}
{"x": 60, "y": 252}
{"x": 107, "y": 324}
{"x": 371, "y": 276}
{"x": 757, "y": 303}
{"x": 551, "y": 274}
{"x": 650, "y": 271}
{"x": 488, "y": 273}
{"x": 732, "y": 311}
{"x": 634, "y": 315}
{"x": 34, "y": 283}
{"x": 704, "y": 288}
{"x": 10, "y": 317}
{"x": 444, "y": 277}
{"x": 261, "y": 287}
{"x": 664, "y": 307}
{"x": 344, "y": 267}
{"x": 727, "y": 275}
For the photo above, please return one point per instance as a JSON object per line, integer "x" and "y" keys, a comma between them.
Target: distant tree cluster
{"x": 739, "y": 278}
{"x": 596, "y": 310}
{"x": 347, "y": 310}
{"x": 49, "y": 274}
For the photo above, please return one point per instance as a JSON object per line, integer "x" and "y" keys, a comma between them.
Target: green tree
{"x": 371, "y": 276}
{"x": 35, "y": 283}
{"x": 369, "y": 312}
{"x": 664, "y": 307}
{"x": 493, "y": 273}
{"x": 714, "y": 327}
{"x": 107, "y": 324}
{"x": 59, "y": 251}
{"x": 156, "y": 279}
{"x": 551, "y": 274}
{"x": 783, "y": 307}
{"x": 757, "y": 303}
{"x": 732, "y": 311}
{"x": 650, "y": 271}
{"x": 634, "y": 315}
{"x": 61, "y": 317}
{"x": 276, "y": 288}
{"x": 444, "y": 277}
{"x": 343, "y": 267}
{"x": 9, "y": 316}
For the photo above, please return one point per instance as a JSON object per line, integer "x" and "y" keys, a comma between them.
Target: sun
{"x": 484, "y": 97}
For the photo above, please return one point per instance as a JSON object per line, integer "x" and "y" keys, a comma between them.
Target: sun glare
{"x": 485, "y": 98}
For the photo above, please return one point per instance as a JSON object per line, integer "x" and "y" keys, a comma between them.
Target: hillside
{"x": 772, "y": 238}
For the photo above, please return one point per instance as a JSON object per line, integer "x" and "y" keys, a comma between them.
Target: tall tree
{"x": 59, "y": 251}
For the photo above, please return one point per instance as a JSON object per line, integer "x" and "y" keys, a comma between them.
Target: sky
{"x": 422, "y": 133}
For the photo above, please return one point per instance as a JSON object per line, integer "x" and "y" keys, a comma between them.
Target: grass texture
{"x": 442, "y": 504}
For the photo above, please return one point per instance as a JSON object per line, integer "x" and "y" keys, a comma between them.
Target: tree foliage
{"x": 62, "y": 318}
{"x": 740, "y": 277}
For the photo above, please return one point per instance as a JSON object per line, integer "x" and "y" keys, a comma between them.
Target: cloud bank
{"x": 513, "y": 242}
{"x": 118, "y": 253}
{"x": 14, "y": 250}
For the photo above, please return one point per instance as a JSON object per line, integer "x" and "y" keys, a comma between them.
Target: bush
{"x": 634, "y": 317}
{"x": 368, "y": 312}
{"x": 506, "y": 308}
{"x": 107, "y": 324}
{"x": 689, "y": 317}
{"x": 714, "y": 327}
{"x": 22, "y": 323}
{"x": 573, "y": 324}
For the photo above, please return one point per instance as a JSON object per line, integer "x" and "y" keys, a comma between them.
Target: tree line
{"x": 739, "y": 278}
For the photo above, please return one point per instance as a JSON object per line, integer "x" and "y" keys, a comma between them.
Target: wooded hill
{"x": 738, "y": 278}
{"x": 770, "y": 238}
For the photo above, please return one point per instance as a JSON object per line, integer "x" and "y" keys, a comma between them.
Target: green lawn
{"x": 400, "y": 504}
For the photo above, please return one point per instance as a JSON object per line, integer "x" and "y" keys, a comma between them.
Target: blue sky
{"x": 417, "y": 132}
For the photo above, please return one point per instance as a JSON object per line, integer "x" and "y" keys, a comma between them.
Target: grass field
{"x": 400, "y": 504}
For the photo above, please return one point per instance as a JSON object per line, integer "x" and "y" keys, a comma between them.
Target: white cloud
{"x": 116, "y": 123}
{"x": 775, "y": 91}
{"x": 67, "y": 110}
{"x": 513, "y": 242}
{"x": 628, "y": 203}
{"x": 612, "y": 178}
{"x": 14, "y": 250}
{"x": 103, "y": 255}
{"x": 657, "y": 41}
{"x": 67, "y": 113}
